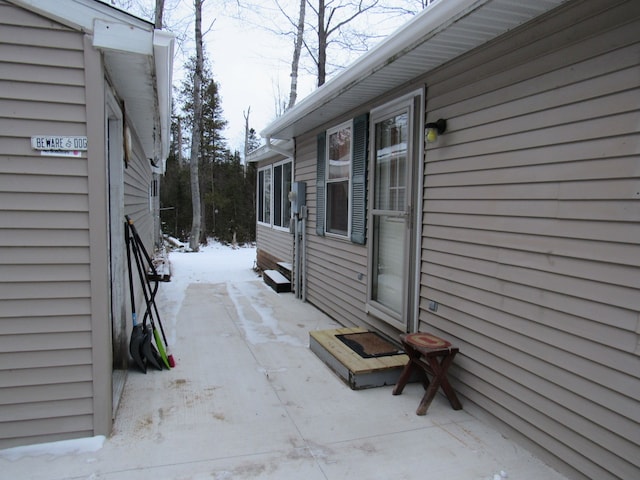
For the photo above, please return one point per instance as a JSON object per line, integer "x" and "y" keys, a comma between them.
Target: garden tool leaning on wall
{"x": 156, "y": 355}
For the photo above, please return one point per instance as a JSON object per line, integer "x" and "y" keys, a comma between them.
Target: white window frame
{"x": 343, "y": 126}
{"x": 284, "y": 196}
{"x": 260, "y": 196}
{"x": 272, "y": 200}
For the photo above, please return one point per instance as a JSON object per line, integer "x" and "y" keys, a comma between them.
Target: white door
{"x": 394, "y": 160}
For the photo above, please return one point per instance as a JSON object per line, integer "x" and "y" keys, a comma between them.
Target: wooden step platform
{"x": 356, "y": 371}
{"x": 277, "y": 281}
{"x": 285, "y": 268}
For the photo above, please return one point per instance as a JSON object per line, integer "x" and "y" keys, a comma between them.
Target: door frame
{"x": 414, "y": 103}
{"x": 114, "y": 134}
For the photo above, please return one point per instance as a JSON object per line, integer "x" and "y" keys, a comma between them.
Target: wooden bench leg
{"x": 439, "y": 371}
{"x": 404, "y": 377}
{"x": 444, "y": 382}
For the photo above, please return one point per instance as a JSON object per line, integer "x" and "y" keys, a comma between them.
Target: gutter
{"x": 284, "y": 148}
{"x": 278, "y": 149}
{"x": 163, "y": 49}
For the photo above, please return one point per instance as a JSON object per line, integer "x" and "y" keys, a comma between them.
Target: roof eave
{"x": 270, "y": 150}
{"x": 426, "y": 31}
{"x": 80, "y": 14}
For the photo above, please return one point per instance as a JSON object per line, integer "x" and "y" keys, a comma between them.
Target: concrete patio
{"x": 248, "y": 399}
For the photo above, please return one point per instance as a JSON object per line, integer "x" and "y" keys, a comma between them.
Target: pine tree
{"x": 175, "y": 196}
{"x": 212, "y": 144}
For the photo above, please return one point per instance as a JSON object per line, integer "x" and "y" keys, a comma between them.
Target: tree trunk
{"x": 159, "y": 12}
{"x": 322, "y": 44}
{"x": 246, "y": 140}
{"x": 179, "y": 142}
{"x": 194, "y": 240}
{"x": 293, "y": 93}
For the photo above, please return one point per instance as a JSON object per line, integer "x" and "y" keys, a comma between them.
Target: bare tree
{"x": 196, "y": 129}
{"x": 297, "y": 51}
{"x": 179, "y": 140}
{"x": 333, "y": 17}
{"x": 246, "y": 134}
{"x": 159, "y": 12}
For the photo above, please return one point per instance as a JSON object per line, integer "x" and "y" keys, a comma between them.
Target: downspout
{"x": 277, "y": 149}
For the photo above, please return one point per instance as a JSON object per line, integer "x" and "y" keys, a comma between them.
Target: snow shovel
{"x": 164, "y": 352}
{"x": 150, "y": 295}
{"x": 137, "y": 335}
{"x": 148, "y": 349}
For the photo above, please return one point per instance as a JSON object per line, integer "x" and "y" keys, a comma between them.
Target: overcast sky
{"x": 251, "y": 65}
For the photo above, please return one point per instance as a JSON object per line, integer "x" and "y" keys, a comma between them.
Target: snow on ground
{"x": 262, "y": 326}
{"x": 214, "y": 263}
{"x": 64, "y": 447}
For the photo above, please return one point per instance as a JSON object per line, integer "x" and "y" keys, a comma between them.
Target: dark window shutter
{"x": 359, "y": 179}
{"x": 321, "y": 182}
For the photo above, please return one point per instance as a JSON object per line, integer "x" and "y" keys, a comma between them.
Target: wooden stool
{"x": 431, "y": 355}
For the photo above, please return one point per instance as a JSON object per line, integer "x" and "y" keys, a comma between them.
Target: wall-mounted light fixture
{"x": 434, "y": 129}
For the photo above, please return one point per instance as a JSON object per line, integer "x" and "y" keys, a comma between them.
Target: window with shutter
{"x": 341, "y": 180}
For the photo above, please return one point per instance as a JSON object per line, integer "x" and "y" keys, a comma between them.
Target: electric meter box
{"x": 298, "y": 196}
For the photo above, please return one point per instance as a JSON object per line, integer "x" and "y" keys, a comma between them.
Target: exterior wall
{"x": 337, "y": 268}
{"x": 138, "y": 203}
{"x": 46, "y": 388}
{"x": 333, "y": 265}
{"x": 273, "y": 244}
{"x": 530, "y": 235}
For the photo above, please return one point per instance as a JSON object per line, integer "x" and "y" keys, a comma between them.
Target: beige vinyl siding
{"x": 333, "y": 264}
{"x": 137, "y": 184}
{"x": 277, "y": 243}
{"x": 45, "y": 306}
{"x": 531, "y": 233}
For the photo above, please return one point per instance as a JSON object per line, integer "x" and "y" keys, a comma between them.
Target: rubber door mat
{"x": 369, "y": 344}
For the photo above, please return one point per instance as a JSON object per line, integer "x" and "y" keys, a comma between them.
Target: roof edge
{"x": 80, "y": 14}
{"x": 427, "y": 23}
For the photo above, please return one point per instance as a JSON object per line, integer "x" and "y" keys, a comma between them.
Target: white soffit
{"x": 441, "y": 32}
{"x": 143, "y": 82}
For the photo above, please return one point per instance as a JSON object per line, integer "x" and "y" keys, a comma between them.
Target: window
{"x": 341, "y": 180}
{"x": 338, "y": 172}
{"x": 274, "y": 185}
{"x": 264, "y": 195}
{"x": 281, "y": 189}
